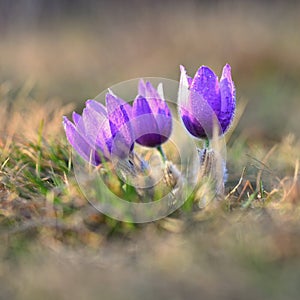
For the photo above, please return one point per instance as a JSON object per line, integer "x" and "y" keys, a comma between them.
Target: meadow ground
{"x": 53, "y": 244}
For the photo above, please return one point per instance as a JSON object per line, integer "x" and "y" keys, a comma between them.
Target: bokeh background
{"x": 73, "y": 50}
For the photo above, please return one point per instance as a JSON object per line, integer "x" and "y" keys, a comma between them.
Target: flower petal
{"x": 76, "y": 117}
{"x": 119, "y": 112}
{"x": 91, "y": 125}
{"x": 97, "y": 106}
{"x": 199, "y": 118}
{"x": 156, "y": 103}
{"x": 227, "y": 90}
{"x": 97, "y": 130}
{"x": 191, "y": 124}
{"x": 142, "y": 88}
{"x": 82, "y": 147}
{"x": 147, "y": 90}
{"x": 104, "y": 141}
{"x": 206, "y": 84}
{"x": 119, "y": 115}
{"x": 151, "y": 91}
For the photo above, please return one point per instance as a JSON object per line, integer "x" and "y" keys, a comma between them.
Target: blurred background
{"x": 73, "y": 50}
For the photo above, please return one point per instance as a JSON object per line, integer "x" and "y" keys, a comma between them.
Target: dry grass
{"x": 246, "y": 247}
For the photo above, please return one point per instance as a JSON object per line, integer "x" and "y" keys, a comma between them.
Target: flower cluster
{"x": 104, "y": 131}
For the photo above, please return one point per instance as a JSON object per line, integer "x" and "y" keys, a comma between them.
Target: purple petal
{"x": 156, "y": 103}
{"x": 227, "y": 90}
{"x": 76, "y": 118}
{"x": 163, "y": 118}
{"x": 150, "y": 136}
{"x": 151, "y": 91}
{"x": 104, "y": 136}
{"x": 97, "y": 106}
{"x": 147, "y": 90}
{"x": 92, "y": 124}
{"x": 119, "y": 115}
{"x": 206, "y": 84}
{"x": 140, "y": 107}
{"x": 97, "y": 130}
{"x": 159, "y": 106}
{"x": 199, "y": 119}
{"x": 142, "y": 88}
{"x": 82, "y": 147}
{"x": 104, "y": 141}
{"x": 119, "y": 112}
{"x": 191, "y": 124}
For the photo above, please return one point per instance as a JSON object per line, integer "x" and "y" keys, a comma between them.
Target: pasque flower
{"x": 203, "y": 100}
{"x": 101, "y": 131}
{"x": 151, "y": 116}
{"x": 105, "y": 131}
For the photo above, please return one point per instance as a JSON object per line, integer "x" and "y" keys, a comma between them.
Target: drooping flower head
{"x": 151, "y": 116}
{"x": 204, "y": 99}
{"x": 101, "y": 131}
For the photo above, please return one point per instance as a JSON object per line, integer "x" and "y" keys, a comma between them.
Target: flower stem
{"x": 162, "y": 153}
{"x": 206, "y": 143}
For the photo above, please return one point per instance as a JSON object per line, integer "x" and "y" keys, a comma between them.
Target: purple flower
{"x": 203, "y": 100}
{"x": 151, "y": 116}
{"x": 101, "y": 131}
